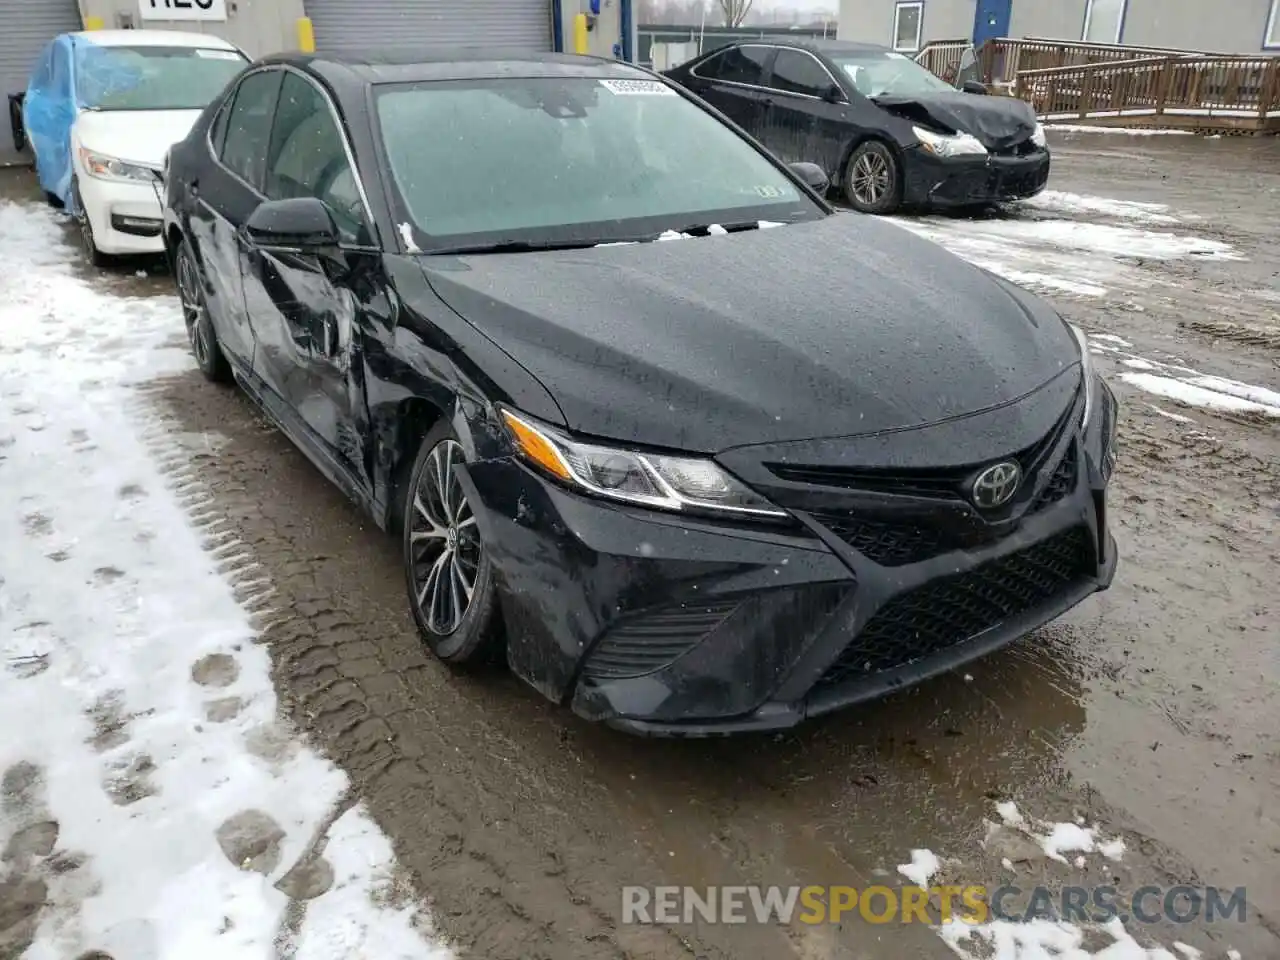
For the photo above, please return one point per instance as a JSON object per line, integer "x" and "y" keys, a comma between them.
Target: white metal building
{"x": 260, "y": 27}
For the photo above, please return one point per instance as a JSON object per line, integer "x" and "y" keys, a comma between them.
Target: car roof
{"x": 153, "y": 38}
{"x": 817, "y": 44}
{"x": 380, "y": 67}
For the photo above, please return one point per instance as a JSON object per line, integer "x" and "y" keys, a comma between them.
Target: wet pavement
{"x": 1152, "y": 709}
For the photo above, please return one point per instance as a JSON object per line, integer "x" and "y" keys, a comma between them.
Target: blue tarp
{"x": 72, "y": 73}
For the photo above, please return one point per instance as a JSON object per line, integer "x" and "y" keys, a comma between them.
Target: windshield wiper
{"x": 516, "y": 246}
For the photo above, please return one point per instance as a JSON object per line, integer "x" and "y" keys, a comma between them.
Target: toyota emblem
{"x": 996, "y": 485}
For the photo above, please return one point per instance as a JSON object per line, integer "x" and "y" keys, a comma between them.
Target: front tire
{"x": 447, "y": 568}
{"x": 873, "y": 178}
{"x": 195, "y": 314}
{"x": 96, "y": 256}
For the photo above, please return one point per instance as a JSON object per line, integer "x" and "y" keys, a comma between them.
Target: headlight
{"x": 944, "y": 145}
{"x": 109, "y": 168}
{"x": 1038, "y": 137}
{"x": 1086, "y": 372}
{"x": 651, "y": 480}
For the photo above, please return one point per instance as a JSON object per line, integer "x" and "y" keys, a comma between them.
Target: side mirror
{"x": 292, "y": 226}
{"x": 833, "y": 94}
{"x": 813, "y": 175}
{"x": 973, "y": 86}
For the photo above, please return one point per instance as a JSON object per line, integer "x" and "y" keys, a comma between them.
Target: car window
{"x": 218, "y": 132}
{"x": 152, "y": 77}
{"x": 798, "y": 72}
{"x": 736, "y": 65}
{"x": 249, "y": 126}
{"x": 552, "y": 158}
{"x": 308, "y": 157}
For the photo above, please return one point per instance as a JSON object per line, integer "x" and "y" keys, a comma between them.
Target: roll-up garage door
{"x": 25, "y": 27}
{"x": 429, "y": 26}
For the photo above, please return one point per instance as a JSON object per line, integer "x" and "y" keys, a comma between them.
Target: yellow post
{"x": 580, "y": 33}
{"x": 306, "y": 35}
{"x": 93, "y": 23}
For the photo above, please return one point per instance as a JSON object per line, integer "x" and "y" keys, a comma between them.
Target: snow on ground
{"x": 1128, "y": 131}
{"x": 1041, "y": 939}
{"x": 1174, "y": 381}
{"x": 922, "y": 867}
{"x": 152, "y": 802}
{"x": 1068, "y": 256}
{"x": 1056, "y": 201}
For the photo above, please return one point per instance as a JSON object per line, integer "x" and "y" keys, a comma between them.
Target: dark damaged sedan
{"x": 883, "y": 127}
{"x": 689, "y": 450}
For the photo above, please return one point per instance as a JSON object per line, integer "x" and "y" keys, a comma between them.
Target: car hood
{"x": 137, "y": 136}
{"x": 997, "y": 122}
{"x": 844, "y": 326}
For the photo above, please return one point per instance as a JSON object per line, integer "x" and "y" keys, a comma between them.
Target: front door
{"x": 224, "y": 196}
{"x": 732, "y": 81}
{"x": 303, "y": 306}
{"x": 802, "y": 125}
{"x": 991, "y": 20}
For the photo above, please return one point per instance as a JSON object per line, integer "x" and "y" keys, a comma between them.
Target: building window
{"x": 1271, "y": 41}
{"x": 908, "y": 21}
{"x": 1103, "y": 21}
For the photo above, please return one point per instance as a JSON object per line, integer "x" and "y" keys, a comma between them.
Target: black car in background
{"x": 689, "y": 450}
{"x": 883, "y": 127}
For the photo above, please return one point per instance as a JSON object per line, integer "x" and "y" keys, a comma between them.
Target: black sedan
{"x": 883, "y": 127}
{"x": 691, "y": 451}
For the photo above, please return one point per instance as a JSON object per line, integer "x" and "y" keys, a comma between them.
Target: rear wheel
{"x": 195, "y": 313}
{"x": 872, "y": 179}
{"x": 447, "y": 567}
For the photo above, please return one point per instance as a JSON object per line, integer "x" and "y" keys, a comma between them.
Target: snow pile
{"x": 922, "y": 867}
{"x": 1042, "y": 939}
{"x": 153, "y": 803}
{"x": 1128, "y": 131}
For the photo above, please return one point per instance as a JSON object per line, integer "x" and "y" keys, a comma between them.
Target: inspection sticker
{"x": 638, "y": 88}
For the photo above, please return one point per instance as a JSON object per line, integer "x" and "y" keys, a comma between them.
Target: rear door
{"x": 732, "y": 81}
{"x": 801, "y": 125}
{"x": 225, "y": 194}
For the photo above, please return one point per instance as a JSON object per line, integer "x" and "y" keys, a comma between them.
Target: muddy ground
{"x": 1152, "y": 709}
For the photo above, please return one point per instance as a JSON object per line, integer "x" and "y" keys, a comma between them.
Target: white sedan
{"x": 101, "y": 111}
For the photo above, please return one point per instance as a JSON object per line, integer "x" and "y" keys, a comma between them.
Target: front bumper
{"x": 930, "y": 181}
{"x": 126, "y": 217}
{"x": 669, "y": 625}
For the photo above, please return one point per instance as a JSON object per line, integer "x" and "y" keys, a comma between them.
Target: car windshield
{"x": 877, "y": 73}
{"x": 152, "y": 77}
{"x": 564, "y": 159}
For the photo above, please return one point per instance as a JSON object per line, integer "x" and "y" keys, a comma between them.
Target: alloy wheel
{"x": 192, "y": 306}
{"x": 444, "y": 543}
{"x": 870, "y": 179}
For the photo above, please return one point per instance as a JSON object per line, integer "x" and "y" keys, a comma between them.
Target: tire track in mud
{"x": 409, "y": 734}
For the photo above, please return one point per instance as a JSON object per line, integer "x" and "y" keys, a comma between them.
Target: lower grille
{"x": 946, "y": 612}
{"x": 888, "y": 544}
{"x": 650, "y": 641}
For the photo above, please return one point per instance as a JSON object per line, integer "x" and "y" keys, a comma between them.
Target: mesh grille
{"x": 946, "y": 612}
{"x": 1061, "y": 483}
{"x": 651, "y": 641}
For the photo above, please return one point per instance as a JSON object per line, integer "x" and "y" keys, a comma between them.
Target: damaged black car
{"x": 888, "y": 132}
{"x": 687, "y": 449}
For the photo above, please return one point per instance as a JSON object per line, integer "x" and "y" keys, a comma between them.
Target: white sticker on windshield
{"x": 897, "y": 56}
{"x": 638, "y": 88}
{"x": 217, "y": 54}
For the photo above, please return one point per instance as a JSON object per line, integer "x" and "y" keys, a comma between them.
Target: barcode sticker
{"x": 638, "y": 88}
